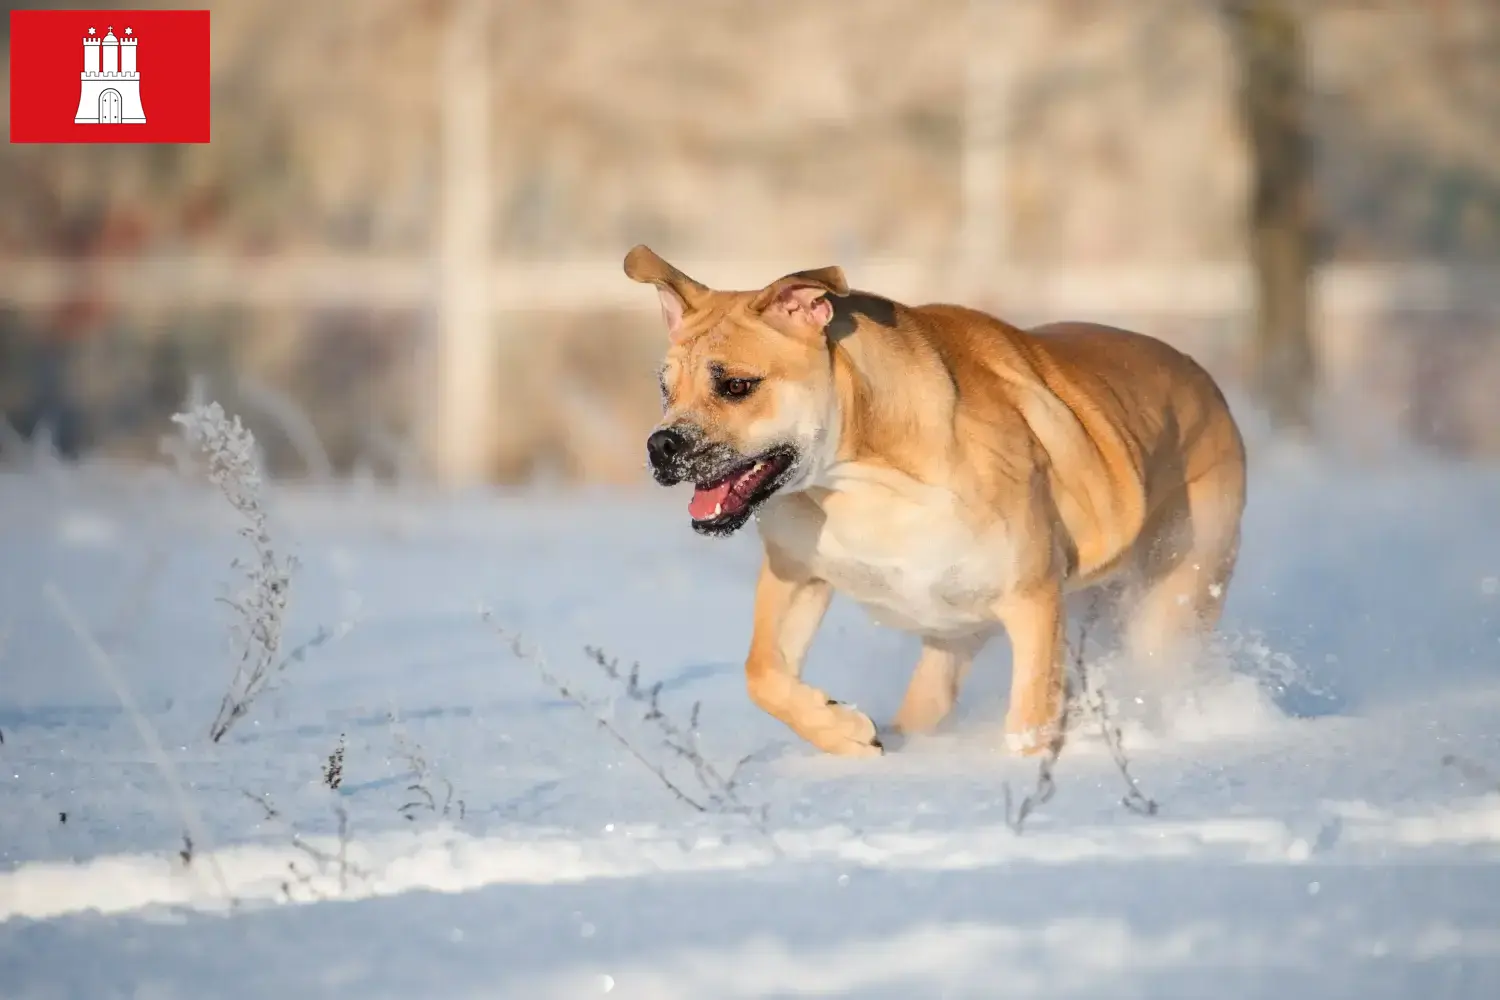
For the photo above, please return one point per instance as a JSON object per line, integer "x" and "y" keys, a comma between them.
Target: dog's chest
{"x": 897, "y": 548}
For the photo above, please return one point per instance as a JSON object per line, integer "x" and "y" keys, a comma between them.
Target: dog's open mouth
{"x": 724, "y": 504}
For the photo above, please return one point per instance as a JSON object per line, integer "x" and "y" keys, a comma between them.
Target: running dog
{"x": 951, "y": 473}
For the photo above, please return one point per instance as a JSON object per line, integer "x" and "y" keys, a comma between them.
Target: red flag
{"x": 109, "y": 76}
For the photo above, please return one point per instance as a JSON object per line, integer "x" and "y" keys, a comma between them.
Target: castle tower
{"x": 127, "y": 53}
{"x": 91, "y": 53}
{"x": 111, "y": 52}
{"x": 111, "y": 85}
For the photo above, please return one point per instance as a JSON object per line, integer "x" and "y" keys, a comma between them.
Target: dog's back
{"x": 1126, "y": 419}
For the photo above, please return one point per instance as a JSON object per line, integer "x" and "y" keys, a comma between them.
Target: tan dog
{"x": 949, "y": 472}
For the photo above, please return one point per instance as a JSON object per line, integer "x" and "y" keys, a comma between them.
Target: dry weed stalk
{"x": 338, "y": 861}
{"x": 191, "y": 820}
{"x": 260, "y": 604}
{"x": 423, "y": 777}
{"x": 1082, "y": 692}
{"x": 719, "y": 791}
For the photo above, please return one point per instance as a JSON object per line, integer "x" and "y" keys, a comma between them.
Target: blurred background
{"x": 400, "y": 256}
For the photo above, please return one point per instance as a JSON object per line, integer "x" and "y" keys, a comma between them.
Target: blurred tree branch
{"x": 1267, "y": 42}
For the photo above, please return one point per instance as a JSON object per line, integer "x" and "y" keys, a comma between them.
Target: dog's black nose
{"x": 663, "y": 446}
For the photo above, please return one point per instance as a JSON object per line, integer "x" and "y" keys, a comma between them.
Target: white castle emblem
{"x": 111, "y": 91}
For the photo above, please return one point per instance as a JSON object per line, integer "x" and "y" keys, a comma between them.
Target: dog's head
{"x": 748, "y": 400}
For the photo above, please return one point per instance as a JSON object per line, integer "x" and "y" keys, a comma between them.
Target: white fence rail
{"x": 459, "y": 405}
{"x": 413, "y": 283}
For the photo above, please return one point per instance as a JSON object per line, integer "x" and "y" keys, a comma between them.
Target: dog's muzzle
{"x": 728, "y": 485}
{"x": 663, "y": 447}
{"x": 669, "y": 450}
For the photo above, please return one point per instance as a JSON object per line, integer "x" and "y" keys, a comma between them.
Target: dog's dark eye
{"x": 736, "y": 388}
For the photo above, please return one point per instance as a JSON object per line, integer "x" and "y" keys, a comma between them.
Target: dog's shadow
{"x": 697, "y": 673}
{"x": 1299, "y": 702}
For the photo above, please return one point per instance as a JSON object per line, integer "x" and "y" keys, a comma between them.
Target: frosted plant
{"x": 720, "y": 790}
{"x": 424, "y": 777}
{"x": 260, "y": 604}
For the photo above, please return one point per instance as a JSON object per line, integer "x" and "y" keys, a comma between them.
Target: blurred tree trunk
{"x": 1267, "y": 43}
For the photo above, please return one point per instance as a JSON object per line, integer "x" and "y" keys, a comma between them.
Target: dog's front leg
{"x": 788, "y": 611}
{"x": 1034, "y": 621}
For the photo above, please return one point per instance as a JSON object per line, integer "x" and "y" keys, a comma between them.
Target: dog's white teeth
{"x": 718, "y": 509}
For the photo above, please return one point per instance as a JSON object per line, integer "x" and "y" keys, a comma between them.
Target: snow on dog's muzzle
{"x": 665, "y": 449}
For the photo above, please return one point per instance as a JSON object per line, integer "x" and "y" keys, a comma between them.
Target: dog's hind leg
{"x": 788, "y": 611}
{"x": 1183, "y": 574}
{"x": 1034, "y": 622}
{"x": 935, "y": 683}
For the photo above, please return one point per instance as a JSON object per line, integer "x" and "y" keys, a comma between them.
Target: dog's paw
{"x": 845, "y": 731}
{"x": 1029, "y": 741}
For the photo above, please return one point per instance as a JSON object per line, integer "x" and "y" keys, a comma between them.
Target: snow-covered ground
{"x": 1311, "y": 841}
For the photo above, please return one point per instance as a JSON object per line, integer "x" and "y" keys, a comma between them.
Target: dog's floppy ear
{"x": 679, "y": 293}
{"x": 802, "y": 296}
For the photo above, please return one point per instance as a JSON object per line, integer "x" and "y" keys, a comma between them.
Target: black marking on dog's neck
{"x": 848, "y": 308}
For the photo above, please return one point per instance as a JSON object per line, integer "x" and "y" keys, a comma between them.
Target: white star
{"x": 92, "y": 31}
{"x": 127, "y": 31}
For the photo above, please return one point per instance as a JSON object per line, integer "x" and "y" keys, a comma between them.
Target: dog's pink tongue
{"x": 710, "y": 501}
